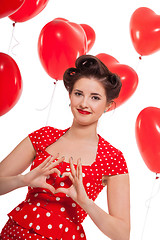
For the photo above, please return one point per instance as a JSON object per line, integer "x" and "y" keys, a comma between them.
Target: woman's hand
{"x": 37, "y": 177}
{"x": 76, "y": 191}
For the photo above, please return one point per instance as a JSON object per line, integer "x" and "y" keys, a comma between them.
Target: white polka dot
{"x": 82, "y": 235}
{"x": 34, "y": 209}
{"x": 73, "y": 237}
{"x": 62, "y": 184}
{"x": 38, "y": 204}
{"x": 77, "y": 226}
{"x": 49, "y": 226}
{"x": 83, "y": 174}
{"x": 62, "y": 209}
{"x": 67, "y": 169}
{"x": 73, "y": 205}
{"x": 38, "y": 227}
{"x": 88, "y": 184}
{"x": 60, "y": 225}
{"x": 25, "y": 216}
{"x": 66, "y": 229}
{"x": 48, "y": 214}
{"x": 57, "y": 198}
{"x": 30, "y": 225}
{"x": 38, "y": 215}
{"x": 17, "y": 208}
{"x": 35, "y": 195}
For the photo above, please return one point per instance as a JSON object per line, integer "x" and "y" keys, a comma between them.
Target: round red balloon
{"x": 8, "y": 7}
{"x": 147, "y": 129}
{"x": 145, "y": 31}
{"x": 91, "y": 35}
{"x": 60, "y": 43}
{"x": 28, "y": 10}
{"x": 10, "y": 83}
{"x": 128, "y": 77}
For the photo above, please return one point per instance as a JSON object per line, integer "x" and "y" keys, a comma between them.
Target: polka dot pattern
{"x": 41, "y": 202}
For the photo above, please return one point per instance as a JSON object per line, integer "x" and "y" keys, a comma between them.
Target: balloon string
{"x": 151, "y": 197}
{"x": 138, "y": 64}
{"x": 13, "y": 37}
{"x": 51, "y": 102}
{"x": 41, "y": 109}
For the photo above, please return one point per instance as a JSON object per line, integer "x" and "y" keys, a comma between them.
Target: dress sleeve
{"x": 115, "y": 164}
{"x": 42, "y": 137}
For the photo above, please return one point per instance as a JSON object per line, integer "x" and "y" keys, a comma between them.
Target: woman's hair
{"x": 91, "y": 67}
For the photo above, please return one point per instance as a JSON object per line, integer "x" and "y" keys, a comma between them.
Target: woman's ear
{"x": 109, "y": 105}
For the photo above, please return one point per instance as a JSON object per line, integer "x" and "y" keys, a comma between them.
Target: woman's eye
{"x": 96, "y": 98}
{"x": 77, "y": 93}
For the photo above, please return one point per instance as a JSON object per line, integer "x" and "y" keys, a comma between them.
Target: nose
{"x": 84, "y": 103}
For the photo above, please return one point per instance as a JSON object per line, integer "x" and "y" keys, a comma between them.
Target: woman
{"x": 70, "y": 167}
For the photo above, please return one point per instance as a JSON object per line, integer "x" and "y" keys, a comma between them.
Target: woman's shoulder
{"x": 112, "y": 158}
{"x": 107, "y": 146}
{"x": 45, "y": 136}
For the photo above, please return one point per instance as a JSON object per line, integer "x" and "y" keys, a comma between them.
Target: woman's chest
{"x": 86, "y": 152}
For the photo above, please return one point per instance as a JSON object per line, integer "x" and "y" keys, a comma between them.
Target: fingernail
{"x": 71, "y": 158}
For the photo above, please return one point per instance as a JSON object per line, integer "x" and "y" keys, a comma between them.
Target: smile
{"x": 83, "y": 112}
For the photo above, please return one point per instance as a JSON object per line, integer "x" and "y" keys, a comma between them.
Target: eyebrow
{"x": 97, "y": 94}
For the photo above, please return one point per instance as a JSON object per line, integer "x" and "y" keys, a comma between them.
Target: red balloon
{"x": 145, "y": 31}
{"x": 28, "y": 10}
{"x": 91, "y": 35}
{"x": 128, "y": 77}
{"x": 147, "y": 129}
{"x": 60, "y": 43}
{"x": 8, "y": 7}
{"x": 10, "y": 83}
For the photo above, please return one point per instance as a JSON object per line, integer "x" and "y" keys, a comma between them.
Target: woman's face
{"x": 88, "y": 101}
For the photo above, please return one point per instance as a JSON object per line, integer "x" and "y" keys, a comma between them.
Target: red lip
{"x": 83, "y": 112}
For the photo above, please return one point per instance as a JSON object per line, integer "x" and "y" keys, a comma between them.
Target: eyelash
{"x": 93, "y": 97}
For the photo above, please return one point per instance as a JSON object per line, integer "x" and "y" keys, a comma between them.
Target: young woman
{"x": 70, "y": 167}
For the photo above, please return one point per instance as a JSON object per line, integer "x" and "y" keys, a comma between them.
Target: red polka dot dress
{"x": 44, "y": 215}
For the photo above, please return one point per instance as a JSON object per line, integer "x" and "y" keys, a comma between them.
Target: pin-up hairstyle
{"x": 91, "y": 67}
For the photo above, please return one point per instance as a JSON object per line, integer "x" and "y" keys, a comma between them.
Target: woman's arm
{"x": 116, "y": 224}
{"x": 14, "y": 164}
{"x": 17, "y": 161}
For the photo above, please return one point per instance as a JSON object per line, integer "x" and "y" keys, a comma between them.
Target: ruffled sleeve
{"x": 113, "y": 161}
{"x": 43, "y": 137}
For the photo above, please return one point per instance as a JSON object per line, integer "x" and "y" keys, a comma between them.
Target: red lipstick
{"x": 83, "y": 112}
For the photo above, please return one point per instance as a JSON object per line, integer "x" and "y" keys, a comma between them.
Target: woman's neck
{"x": 83, "y": 132}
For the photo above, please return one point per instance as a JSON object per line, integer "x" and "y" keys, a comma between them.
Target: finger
{"x": 49, "y": 187}
{"x": 61, "y": 190}
{"x": 49, "y": 162}
{"x": 68, "y": 174}
{"x": 79, "y": 174}
{"x": 53, "y": 170}
{"x": 73, "y": 170}
{"x": 45, "y": 162}
{"x": 59, "y": 161}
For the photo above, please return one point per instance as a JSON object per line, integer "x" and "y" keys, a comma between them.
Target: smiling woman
{"x": 70, "y": 167}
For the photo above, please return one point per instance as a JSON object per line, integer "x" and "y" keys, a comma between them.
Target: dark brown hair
{"x": 91, "y": 67}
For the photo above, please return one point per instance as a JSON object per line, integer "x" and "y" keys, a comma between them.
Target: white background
{"x": 110, "y": 20}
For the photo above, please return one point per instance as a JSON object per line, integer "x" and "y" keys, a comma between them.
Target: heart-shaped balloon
{"x": 10, "y": 83}
{"x": 128, "y": 77}
{"x": 147, "y": 129}
{"x": 91, "y": 35}
{"x": 28, "y": 10}
{"x": 145, "y": 31}
{"x": 60, "y": 43}
{"x": 8, "y": 7}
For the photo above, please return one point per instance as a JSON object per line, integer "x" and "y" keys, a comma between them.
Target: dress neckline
{"x": 61, "y": 133}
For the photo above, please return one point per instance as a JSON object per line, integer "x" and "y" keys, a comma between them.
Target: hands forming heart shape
{"x": 37, "y": 178}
